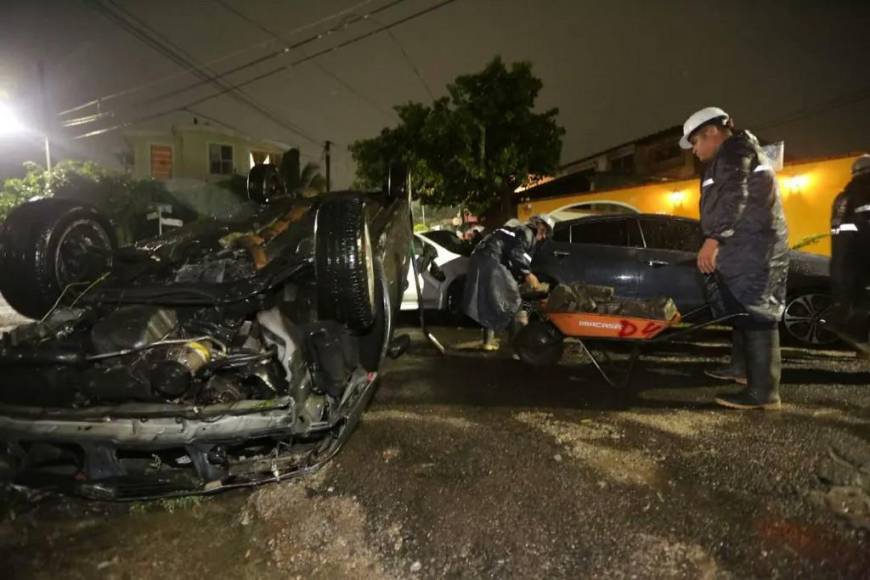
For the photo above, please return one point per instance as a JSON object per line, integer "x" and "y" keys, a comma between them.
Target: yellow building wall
{"x": 807, "y": 190}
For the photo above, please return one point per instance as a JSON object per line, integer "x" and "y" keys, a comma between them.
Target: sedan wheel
{"x": 804, "y": 319}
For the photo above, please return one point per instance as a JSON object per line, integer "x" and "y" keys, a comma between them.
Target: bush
{"x": 122, "y": 199}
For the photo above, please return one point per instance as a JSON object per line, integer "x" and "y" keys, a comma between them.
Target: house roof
{"x": 209, "y": 128}
{"x": 676, "y": 130}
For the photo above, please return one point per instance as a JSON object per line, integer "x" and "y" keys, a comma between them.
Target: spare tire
{"x": 344, "y": 263}
{"x": 48, "y": 245}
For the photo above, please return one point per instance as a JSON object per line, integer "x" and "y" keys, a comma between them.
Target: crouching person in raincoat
{"x": 499, "y": 263}
{"x": 745, "y": 252}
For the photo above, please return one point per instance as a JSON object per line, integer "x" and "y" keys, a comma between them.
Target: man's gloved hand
{"x": 707, "y": 256}
{"x": 531, "y": 285}
{"x": 533, "y": 282}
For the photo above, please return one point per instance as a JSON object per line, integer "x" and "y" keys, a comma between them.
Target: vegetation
{"x": 305, "y": 181}
{"x": 472, "y": 148}
{"x": 124, "y": 200}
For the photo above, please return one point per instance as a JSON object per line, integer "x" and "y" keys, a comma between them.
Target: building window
{"x": 220, "y": 159}
{"x": 623, "y": 165}
{"x": 161, "y": 162}
{"x": 666, "y": 154}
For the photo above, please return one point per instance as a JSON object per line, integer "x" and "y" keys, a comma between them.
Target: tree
{"x": 304, "y": 182}
{"x": 472, "y": 148}
{"x": 311, "y": 183}
{"x": 307, "y": 181}
{"x": 122, "y": 199}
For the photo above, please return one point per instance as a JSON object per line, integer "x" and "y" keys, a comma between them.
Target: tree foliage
{"x": 121, "y": 198}
{"x": 305, "y": 181}
{"x": 473, "y": 147}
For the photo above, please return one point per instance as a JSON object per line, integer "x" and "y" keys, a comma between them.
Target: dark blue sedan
{"x": 648, "y": 255}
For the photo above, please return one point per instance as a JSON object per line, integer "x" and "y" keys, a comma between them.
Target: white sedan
{"x": 443, "y": 258}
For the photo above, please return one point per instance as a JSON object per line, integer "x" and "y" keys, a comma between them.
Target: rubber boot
{"x": 736, "y": 369}
{"x": 489, "y": 341}
{"x": 763, "y": 371}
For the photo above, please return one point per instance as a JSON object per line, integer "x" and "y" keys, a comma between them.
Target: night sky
{"x": 616, "y": 70}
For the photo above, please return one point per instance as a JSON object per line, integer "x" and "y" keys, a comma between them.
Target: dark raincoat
{"x": 742, "y": 210}
{"x": 500, "y": 260}
{"x": 850, "y": 244}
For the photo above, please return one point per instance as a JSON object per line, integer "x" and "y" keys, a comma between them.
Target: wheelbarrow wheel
{"x": 539, "y": 343}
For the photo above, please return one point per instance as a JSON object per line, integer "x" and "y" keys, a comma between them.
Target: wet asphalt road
{"x": 474, "y": 465}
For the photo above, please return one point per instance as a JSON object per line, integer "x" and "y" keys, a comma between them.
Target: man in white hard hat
{"x": 498, "y": 263}
{"x": 850, "y": 257}
{"x": 744, "y": 254}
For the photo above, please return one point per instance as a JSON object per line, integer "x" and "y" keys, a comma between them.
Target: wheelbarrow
{"x": 542, "y": 341}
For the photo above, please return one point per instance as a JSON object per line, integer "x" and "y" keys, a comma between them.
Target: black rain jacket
{"x": 498, "y": 263}
{"x": 850, "y": 244}
{"x": 742, "y": 210}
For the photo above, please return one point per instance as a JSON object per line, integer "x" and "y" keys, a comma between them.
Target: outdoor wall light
{"x": 677, "y": 198}
{"x": 794, "y": 183}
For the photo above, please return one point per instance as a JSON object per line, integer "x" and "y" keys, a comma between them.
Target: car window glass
{"x": 562, "y": 234}
{"x": 672, "y": 234}
{"x": 450, "y": 241}
{"x": 621, "y": 232}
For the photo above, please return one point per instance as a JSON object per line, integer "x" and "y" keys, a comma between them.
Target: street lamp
{"x": 9, "y": 123}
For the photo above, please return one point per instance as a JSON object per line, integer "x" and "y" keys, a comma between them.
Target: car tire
{"x": 48, "y": 245}
{"x": 344, "y": 263}
{"x": 803, "y": 319}
{"x": 539, "y": 343}
{"x": 374, "y": 343}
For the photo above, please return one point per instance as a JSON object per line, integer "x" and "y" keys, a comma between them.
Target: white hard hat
{"x": 698, "y": 119}
{"x": 861, "y": 165}
{"x": 545, "y": 219}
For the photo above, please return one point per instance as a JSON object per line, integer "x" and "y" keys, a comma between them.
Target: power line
{"x": 819, "y": 108}
{"x": 271, "y": 72}
{"x": 270, "y": 56}
{"x": 411, "y": 64}
{"x": 141, "y": 30}
{"x": 200, "y": 114}
{"x": 319, "y": 66}
{"x": 111, "y": 96}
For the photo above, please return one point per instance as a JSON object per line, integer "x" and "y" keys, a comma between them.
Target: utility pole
{"x": 45, "y": 123}
{"x": 326, "y": 147}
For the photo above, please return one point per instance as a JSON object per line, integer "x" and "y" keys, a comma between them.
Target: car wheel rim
{"x": 804, "y": 319}
{"x": 369, "y": 263}
{"x": 83, "y": 253}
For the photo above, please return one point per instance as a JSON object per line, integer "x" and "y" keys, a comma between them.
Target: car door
{"x": 593, "y": 250}
{"x": 669, "y": 261}
{"x": 430, "y": 286}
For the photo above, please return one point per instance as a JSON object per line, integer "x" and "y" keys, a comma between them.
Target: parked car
{"x": 442, "y": 260}
{"x": 223, "y": 354}
{"x": 647, "y": 256}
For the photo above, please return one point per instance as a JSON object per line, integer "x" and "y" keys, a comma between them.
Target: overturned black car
{"x": 225, "y": 354}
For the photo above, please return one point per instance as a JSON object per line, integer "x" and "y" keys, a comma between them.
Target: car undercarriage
{"x": 226, "y": 354}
